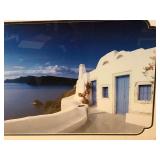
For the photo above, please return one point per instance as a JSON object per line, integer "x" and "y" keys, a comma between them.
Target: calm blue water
{"x": 18, "y": 98}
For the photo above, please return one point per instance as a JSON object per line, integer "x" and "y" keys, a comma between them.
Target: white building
{"x": 122, "y": 83}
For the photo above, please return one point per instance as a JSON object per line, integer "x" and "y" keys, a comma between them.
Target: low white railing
{"x": 60, "y": 122}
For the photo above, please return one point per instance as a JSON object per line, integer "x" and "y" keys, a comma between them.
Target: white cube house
{"x": 122, "y": 83}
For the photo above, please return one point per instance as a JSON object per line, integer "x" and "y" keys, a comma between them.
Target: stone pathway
{"x": 108, "y": 123}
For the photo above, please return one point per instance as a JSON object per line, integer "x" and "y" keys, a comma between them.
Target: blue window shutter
{"x": 149, "y": 93}
{"x": 144, "y": 92}
{"x": 105, "y": 91}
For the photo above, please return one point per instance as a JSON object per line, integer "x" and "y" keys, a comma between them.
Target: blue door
{"x": 122, "y": 94}
{"x": 94, "y": 89}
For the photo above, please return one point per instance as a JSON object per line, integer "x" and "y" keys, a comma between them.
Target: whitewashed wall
{"x": 60, "y": 122}
{"x": 123, "y": 63}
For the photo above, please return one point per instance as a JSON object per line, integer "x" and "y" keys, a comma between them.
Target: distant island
{"x": 43, "y": 80}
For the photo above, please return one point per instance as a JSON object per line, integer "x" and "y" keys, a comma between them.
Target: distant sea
{"x": 18, "y": 98}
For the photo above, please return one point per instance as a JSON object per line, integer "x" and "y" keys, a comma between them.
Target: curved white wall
{"x": 60, "y": 122}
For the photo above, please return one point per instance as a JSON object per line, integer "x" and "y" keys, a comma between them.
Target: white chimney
{"x": 82, "y": 70}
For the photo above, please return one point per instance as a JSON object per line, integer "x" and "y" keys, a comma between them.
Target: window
{"x": 144, "y": 93}
{"x": 105, "y": 91}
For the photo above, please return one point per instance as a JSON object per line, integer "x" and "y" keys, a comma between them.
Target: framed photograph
{"x": 91, "y": 79}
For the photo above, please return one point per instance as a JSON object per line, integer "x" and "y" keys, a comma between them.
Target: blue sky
{"x": 57, "y": 48}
